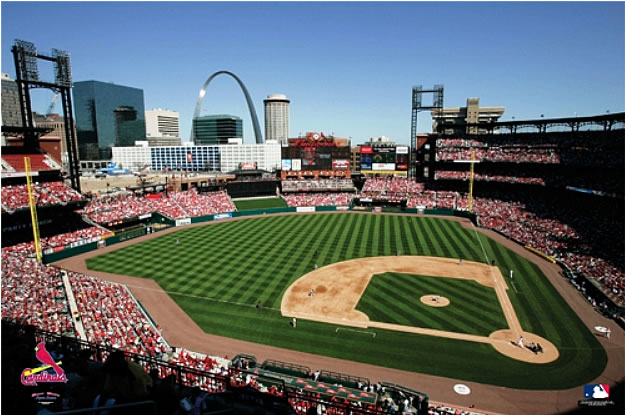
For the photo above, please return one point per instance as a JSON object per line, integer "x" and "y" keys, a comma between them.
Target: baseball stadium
{"x": 487, "y": 280}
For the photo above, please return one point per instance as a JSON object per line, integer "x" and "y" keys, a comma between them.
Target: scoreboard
{"x": 384, "y": 160}
{"x": 315, "y": 152}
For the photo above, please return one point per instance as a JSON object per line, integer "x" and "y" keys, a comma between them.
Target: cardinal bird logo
{"x": 30, "y": 377}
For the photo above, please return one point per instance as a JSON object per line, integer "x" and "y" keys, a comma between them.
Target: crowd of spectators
{"x": 567, "y": 239}
{"x": 96, "y": 379}
{"x": 392, "y": 186}
{"x": 62, "y": 192}
{"x": 86, "y": 234}
{"x": 464, "y": 175}
{"x": 111, "y": 316}
{"x": 318, "y": 199}
{"x": 504, "y": 154}
{"x": 33, "y": 293}
{"x": 45, "y": 194}
{"x": 175, "y": 205}
{"x": 107, "y": 209}
{"x": 201, "y": 204}
{"x": 584, "y": 148}
{"x": 318, "y": 185}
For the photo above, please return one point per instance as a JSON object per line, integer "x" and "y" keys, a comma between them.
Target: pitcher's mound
{"x": 434, "y": 300}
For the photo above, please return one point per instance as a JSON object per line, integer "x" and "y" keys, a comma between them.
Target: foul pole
{"x": 471, "y": 182}
{"x": 33, "y": 209}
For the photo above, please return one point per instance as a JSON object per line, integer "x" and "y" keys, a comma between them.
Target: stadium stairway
{"x": 73, "y": 307}
{"x": 6, "y": 166}
{"x": 52, "y": 163}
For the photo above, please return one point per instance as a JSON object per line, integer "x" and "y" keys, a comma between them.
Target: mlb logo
{"x": 597, "y": 391}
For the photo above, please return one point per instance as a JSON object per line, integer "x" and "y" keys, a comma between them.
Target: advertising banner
{"x": 383, "y": 166}
{"x": 305, "y": 209}
{"x": 248, "y": 165}
{"x": 296, "y": 164}
{"x": 147, "y": 215}
{"x": 401, "y": 150}
{"x": 366, "y": 150}
{"x": 310, "y": 155}
{"x": 340, "y": 164}
{"x": 182, "y": 222}
{"x": 286, "y": 165}
{"x": 222, "y": 216}
{"x": 365, "y": 163}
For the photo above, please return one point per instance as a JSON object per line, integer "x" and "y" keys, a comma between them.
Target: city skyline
{"x": 348, "y": 68}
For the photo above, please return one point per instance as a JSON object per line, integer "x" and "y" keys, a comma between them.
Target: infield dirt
{"x": 331, "y": 294}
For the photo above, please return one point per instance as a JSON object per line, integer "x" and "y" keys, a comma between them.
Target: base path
{"x": 331, "y": 294}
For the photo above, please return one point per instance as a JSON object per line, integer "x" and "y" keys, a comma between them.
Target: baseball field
{"x": 417, "y": 307}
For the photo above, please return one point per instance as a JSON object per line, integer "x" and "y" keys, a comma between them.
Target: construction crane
{"x": 52, "y": 104}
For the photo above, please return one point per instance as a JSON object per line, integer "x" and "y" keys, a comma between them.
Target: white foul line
{"x": 357, "y": 331}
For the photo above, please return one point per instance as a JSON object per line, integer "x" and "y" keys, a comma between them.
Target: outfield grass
{"x": 274, "y": 202}
{"x": 217, "y": 274}
{"x": 395, "y": 298}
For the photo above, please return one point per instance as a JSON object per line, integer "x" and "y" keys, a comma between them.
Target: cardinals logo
{"x": 30, "y": 377}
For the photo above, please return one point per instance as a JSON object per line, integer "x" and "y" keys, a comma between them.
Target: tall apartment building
{"x": 107, "y": 115}
{"x": 277, "y": 118}
{"x": 162, "y": 127}
{"x": 217, "y": 129}
{"x": 471, "y": 119}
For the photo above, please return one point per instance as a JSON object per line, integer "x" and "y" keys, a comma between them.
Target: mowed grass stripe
{"x": 468, "y": 249}
{"x": 401, "y": 293}
{"x": 480, "y": 304}
{"x": 251, "y": 294}
{"x": 258, "y": 263}
{"x": 353, "y": 245}
{"x": 232, "y": 272}
{"x": 289, "y": 264}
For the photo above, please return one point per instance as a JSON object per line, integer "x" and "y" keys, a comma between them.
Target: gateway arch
{"x": 250, "y": 104}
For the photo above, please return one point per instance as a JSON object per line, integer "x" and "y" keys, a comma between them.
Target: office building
{"x": 471, "y": 119}
{"x": 214, "y": 158}
{"x": 162, "y": 127}
{"x": 107, "y": 115}
{"x": 277, "y": 118}
{"x": 217, "y": 129}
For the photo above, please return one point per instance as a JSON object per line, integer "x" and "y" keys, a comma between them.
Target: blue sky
{"x": 347, "y": 68}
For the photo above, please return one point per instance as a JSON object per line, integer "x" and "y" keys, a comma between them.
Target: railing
{"x": 353, "y": 381}
{"x": 209, "y": 382}
{"x": 285, "y": 367}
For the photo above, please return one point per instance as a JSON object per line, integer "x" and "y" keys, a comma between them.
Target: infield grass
{"x": 217, "y": 274}
{"x": 396, "y": 298}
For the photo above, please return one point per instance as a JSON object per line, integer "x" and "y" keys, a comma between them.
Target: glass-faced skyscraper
{"x": 107, "y": 115}
{"x": 217, "y": 129}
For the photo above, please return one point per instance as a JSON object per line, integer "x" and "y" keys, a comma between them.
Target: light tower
{"x": 277, "y": 118}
